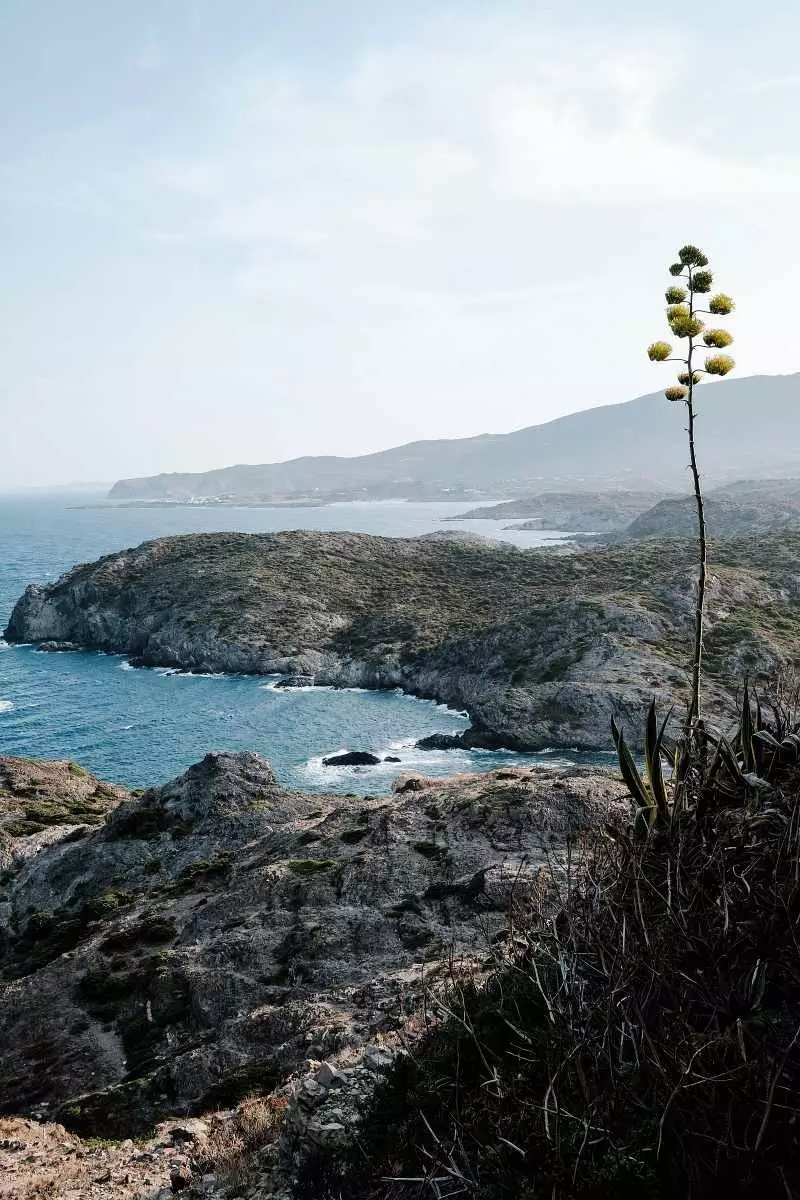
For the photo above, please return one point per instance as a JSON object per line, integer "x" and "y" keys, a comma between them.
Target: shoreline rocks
{"x": 540, "y": 649}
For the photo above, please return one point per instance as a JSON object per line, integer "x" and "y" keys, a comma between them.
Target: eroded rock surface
{"x": 214, "y": 935}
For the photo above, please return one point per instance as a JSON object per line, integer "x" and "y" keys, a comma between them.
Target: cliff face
{"x": 540, "y": 648}
{"x": 210, "y": 936}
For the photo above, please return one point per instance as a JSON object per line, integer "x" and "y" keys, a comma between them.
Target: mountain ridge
{"x": 637, "y": 444}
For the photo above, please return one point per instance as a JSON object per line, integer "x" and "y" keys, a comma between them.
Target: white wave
{"x": 126, "y": 666}
{"x": 272, "y": 686}
{"x": 205, "y": 674}
{"x": 6, "y": 706}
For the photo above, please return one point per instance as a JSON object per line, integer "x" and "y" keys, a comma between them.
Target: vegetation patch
{"x": 310, "y": 866}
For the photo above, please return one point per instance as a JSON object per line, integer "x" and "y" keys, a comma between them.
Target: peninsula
{"x": 540, "y": 648}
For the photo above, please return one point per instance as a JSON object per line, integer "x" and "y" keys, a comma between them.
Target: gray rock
{"x": 351, "y": 758}
{"x": 441, "y": 741}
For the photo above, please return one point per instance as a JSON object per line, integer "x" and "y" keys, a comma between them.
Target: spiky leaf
{"x": 717, "y": 338}
{"x": 746, "y": 732}
{"x": 630, "y": 772}
{"x": 720, "y": 364}
{"x": 652, "y": 757}
{"x": 659, "y": 351}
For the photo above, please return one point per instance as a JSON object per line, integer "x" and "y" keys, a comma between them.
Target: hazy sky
{"x": 240, "y": 231}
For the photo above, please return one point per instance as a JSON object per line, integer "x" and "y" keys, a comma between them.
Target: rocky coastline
{"x": 540, "y": 649}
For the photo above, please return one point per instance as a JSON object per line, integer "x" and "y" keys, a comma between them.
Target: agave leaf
{"x": 791, "y": 743}
{"x": 630, "y": 772}
{"x": 652, "y": 757}
{"x": 729, "y": 759}
{"x": 643, "y": 819}
{"x": 746, "y": 731}
{"x": 765, "y": 737}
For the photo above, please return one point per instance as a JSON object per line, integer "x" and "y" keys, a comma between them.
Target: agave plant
{"x": 653, "y": 804}
{"x": 725, "y": 766}
{"x": 684, "y": 317}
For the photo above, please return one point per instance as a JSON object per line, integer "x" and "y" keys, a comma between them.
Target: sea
{"x": 141, "y": 727}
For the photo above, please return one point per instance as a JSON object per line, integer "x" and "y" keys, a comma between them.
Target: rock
{"x": 295, "y": 681}
{"x": 408, "y": 783}
{"x": 52, "y": 647}
{"x": 178, "y": 1181}
{"x": 329, "y": 1077}
{"x": 441, "y": 741}
{"x": 352, "y": 758}
{"x": 189, "y": 1131}
{"x": 311, "y": 1092}
{"x": 378, "y": 1058}
{"x": 277, "y": 928}
{"x": 392, "y": 758}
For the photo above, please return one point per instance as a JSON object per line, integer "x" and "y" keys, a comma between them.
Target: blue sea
{"x": 141, "y": 727}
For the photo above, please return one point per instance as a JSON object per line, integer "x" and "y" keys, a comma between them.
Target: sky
{"x": 240, "y": 232}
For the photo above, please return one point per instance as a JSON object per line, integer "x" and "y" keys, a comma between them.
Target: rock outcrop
{"x": 212, "y": 938}
{"x": 540, "y": 649}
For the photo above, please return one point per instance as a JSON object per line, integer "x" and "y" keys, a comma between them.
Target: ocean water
{"x": 141, "y": 727}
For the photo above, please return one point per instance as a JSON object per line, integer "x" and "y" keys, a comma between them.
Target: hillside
{"x": 571, "y": 512}
{"x": 636, "y": 445}
{"x": 541, "y": 649}
{"x": 724, "y": 518}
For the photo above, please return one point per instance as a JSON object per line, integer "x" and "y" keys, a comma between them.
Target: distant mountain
{"x": 748, "y": 428}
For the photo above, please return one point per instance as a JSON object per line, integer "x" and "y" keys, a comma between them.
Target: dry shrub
{"x": 235, "y": 1142}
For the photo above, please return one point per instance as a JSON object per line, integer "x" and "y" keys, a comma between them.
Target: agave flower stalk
{"x": 684, "y": 319}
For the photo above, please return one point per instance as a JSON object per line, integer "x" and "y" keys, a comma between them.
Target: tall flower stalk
{"x": 684, "y": 319}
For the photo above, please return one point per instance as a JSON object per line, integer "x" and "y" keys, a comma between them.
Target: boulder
{"x": 351, "y": 758}
{"x": 408, "y": 783}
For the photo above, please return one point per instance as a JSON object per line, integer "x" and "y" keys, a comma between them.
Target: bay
{"x": 142, "y": 727}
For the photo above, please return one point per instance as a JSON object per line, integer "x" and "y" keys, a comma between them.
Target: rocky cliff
{"x": 539, "y": 648}
{"x": 173, "y": 952}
